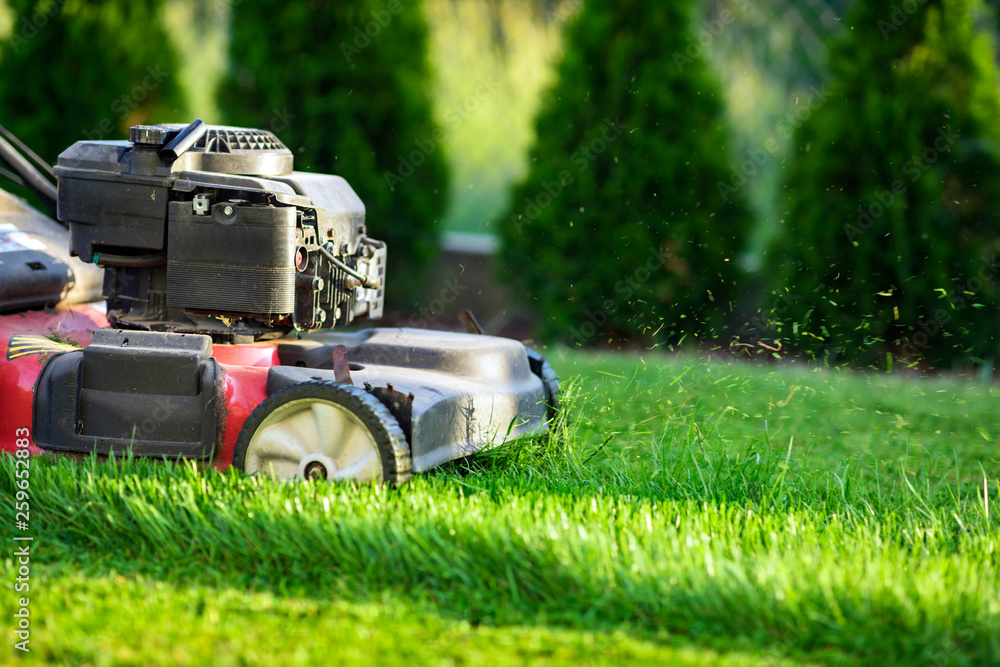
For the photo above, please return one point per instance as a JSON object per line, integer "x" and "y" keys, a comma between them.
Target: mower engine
{"x": 207, "y": 229}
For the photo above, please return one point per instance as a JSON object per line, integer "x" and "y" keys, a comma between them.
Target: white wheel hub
{"x": 311, "y": 438}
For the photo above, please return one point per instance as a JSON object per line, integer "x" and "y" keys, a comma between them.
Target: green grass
{"x": 690, "y": 513}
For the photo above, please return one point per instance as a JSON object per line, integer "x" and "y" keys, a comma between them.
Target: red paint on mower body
{"x": 29, "y": 339}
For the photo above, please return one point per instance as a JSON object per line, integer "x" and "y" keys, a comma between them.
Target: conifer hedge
{"x": 618, "y": 229}
{"x": 83, "y": 69}
{"x": 890, "y": 228}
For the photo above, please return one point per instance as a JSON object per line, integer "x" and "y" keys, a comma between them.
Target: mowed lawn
{"x": 690, "y": 512}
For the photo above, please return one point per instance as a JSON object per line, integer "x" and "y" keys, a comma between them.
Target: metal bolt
{"x": 228, "y": 210}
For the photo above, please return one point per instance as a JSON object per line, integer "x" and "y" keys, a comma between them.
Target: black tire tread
{"x": 541, "y": 367}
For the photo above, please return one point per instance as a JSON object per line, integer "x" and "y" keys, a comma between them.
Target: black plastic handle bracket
{"x": 184, "y": 140}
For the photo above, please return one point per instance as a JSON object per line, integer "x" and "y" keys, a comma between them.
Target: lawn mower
{"x": 193, "y": 301}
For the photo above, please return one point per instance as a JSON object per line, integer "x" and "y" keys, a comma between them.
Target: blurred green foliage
{"x": 770, "y": 58}
{"x": 82, "y": 69}
{"x": 888, "y": 242}
{"x": 511, "y": 47}
{"x": 199, "y": 31}
{"x": 617, "y": 228}
{"x": 346, "y": 87}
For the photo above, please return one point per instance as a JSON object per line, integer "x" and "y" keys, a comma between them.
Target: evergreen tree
{"x": 86, "y": 69}
{"x": 893, "y": 196}
{"x": 346, "y": 86}
{"x": 619, "y": 227}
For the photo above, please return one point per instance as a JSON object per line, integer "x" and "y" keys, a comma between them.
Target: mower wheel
{"x": 324, "y": 430}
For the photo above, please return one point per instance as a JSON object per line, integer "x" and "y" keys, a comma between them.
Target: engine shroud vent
{"x": 227, "y": 140}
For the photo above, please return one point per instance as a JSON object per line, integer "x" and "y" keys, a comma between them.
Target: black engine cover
{"x": 237, "y": 259}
